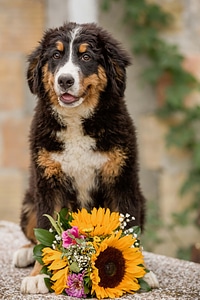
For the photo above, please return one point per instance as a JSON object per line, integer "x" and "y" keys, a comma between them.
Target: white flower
{"x": 57, "y": 237}
{"x": 124, "y": 223}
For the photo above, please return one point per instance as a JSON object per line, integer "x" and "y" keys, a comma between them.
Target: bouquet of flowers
{"x": 91, "y": 254}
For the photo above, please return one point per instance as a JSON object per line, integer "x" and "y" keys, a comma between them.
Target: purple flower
{"x": 70, "y": 235}
{"x": 75, "y": 286}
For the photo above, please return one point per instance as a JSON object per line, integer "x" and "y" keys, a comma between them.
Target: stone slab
{"x": 178, "y": 279}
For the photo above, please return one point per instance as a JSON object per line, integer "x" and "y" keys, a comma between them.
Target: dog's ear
{"x": 116, "y": 59}
{"x": 34, "y": 69}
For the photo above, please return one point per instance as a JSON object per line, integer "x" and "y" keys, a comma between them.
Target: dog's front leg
{"x": 34, "y": 284}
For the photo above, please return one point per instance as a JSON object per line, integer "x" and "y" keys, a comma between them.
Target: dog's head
{"x": 75, "y": 63}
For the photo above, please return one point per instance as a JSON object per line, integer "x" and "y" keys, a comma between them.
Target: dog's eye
{"x": 56, "y": 55}
{"x": 86, "y": 57}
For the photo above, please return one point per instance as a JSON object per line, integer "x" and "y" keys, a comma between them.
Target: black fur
{"x": 109, "y": 125}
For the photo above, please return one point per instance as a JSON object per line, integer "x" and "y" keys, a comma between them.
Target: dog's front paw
{"x": 34, "y": 285}
{"x": 151, "y": 279}
{"x": 23, "y": 257}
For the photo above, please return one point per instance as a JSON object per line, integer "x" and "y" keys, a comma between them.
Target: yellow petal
{"x": 58, "y": 264}
{"x": 94, "y": 220}
{"x": 59, "y": 274}
{"x": 102, "y": 221}
{"x": 106, "y": 217}
{"x": 50, "y": 255}
{"x": 60, "y": 278}
{"x": 51, "y": 252}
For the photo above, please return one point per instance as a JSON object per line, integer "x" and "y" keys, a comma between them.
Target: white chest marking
{"x": 79, "y": 160}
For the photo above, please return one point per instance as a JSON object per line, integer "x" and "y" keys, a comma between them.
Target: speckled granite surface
{"x": 178, "y": 279}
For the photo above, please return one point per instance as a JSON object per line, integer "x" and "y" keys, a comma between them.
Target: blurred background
{"x": 163, "y": 38}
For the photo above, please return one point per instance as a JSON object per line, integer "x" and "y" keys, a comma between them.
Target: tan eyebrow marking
{"x": 83, "y": 47}
{"x": 60, "y": 46}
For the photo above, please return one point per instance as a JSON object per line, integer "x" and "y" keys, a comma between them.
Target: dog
{"x": 82, "y": 140}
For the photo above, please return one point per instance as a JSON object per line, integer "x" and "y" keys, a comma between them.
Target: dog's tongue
{"x": 67, "y": 98}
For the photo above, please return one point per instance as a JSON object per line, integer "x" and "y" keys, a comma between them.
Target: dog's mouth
{"x": 67, "y": 98}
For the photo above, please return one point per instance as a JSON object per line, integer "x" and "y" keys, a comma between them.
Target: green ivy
{"x": 145, "y": 20}
{"x": 151, "y": 236}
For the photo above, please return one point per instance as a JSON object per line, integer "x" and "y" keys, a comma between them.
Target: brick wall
{"x": 21, "y": 26}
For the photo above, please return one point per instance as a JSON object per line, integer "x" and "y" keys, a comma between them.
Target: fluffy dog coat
{"x": 82, "y": 139}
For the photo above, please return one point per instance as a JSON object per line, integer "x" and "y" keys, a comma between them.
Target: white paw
{"x": 34, "y": 285}
{"x": 23, "y": 257}
{"x": 151, "y": 279}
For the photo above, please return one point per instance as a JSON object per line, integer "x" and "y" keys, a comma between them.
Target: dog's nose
{"x": 65, "y": 81}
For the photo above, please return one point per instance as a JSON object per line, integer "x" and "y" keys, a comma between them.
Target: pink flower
{"x": 70, "y": 235}
{"x": 75, "y": 286}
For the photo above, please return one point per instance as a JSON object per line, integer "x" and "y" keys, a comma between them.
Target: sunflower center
{"x": 111, "y": 266}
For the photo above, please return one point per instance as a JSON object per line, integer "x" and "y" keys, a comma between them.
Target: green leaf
{"x": 136, "y": 230}
{"x": 87, "y": 280}
{"x": 74, "y": 267}
{"x": 152, "y": 74}
{"x": 43, "y": 236}
{"x": 182, "y": 218}
{"x": 191, "y": 183}
{"x": 45, "y": 271}
{"x": 87, "y": 284}
{"x": 54, "y": 224}
{"x": 144, "y": 287}
{"x": 37, "y": 253}
{"x": 86, "y": 289}
{"x": 48, "y": 283}
{"x": 196, "y": 156}
{"x": 181, "y": 136}
{"x": 65, "y": 218}
{"x": 105, "y": 5}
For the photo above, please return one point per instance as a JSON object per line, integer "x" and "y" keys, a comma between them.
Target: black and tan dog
{"x": 82, "y": 139}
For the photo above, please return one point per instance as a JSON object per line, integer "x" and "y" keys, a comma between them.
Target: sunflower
{"x": 116, "y": 267}
{"x": 58, "y": 266}
{"x": 98, "y": 222}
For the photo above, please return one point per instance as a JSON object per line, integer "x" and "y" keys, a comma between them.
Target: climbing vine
{"x": 145, "y": 20}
